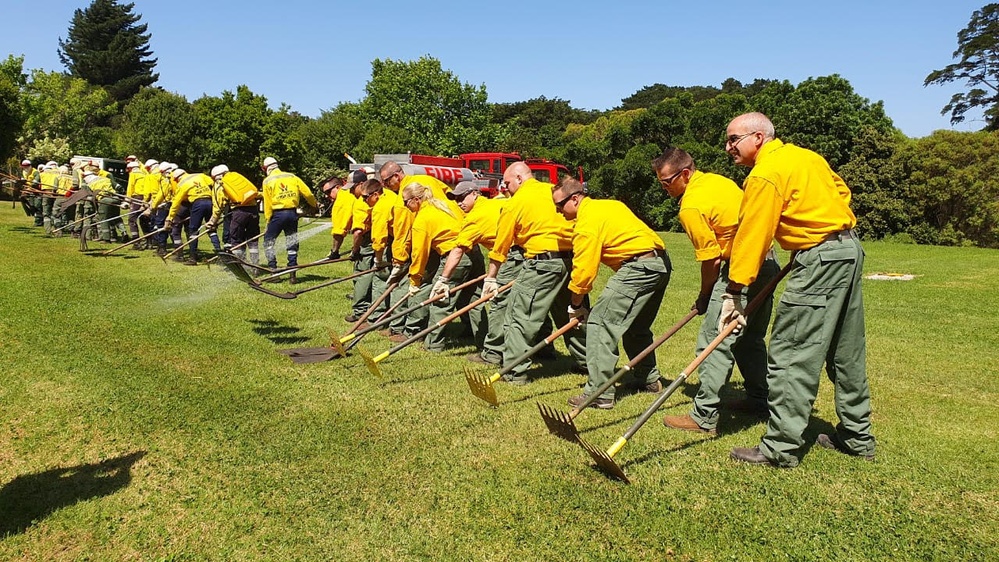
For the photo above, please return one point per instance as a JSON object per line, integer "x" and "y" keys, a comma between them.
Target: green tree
{"x": 326, "y": 140}
{"x": 441, "y": 114}
{"x": 283, "y": 140}
{"x": 161, "y": 125}
{"x": 876, "y": 175}
{"x": 978, "y": 50}
{"x": 534, "y": 127}
{"x": 57, "y": 106}
{"x": 951, "y": 183}
{"x": 12, "y": 79}
{"x": 106, "y": 46}
{"x": 232, "y": 129}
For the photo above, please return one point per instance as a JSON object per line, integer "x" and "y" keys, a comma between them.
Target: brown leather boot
{"x": 686, "y": 423}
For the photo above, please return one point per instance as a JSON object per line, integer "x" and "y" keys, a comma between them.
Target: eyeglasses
{"x": 368, "y": 195}
{"x": 390, "y": 176}
{"x": 733, "y": 140}
{"x": 561, "y": 204}
{"x": 669, "y": 181}
{"x": 406, "y": 201}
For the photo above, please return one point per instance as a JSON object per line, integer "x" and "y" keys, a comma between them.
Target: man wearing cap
{"x": 245, "y": 217}
{"x": 196, "y": 190}
{"x": 709, "y": 214}
{"x": 608, "y": 232}
{"x": 396, "y": 179}
{"x": 479, "y": 227}
{"x": 531, "y": 222}
{"x": 792, "y": 194}
{"x": 282, "y": 192}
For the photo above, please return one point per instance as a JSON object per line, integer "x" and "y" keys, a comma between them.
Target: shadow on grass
{"x": 272, "y": 330}
{"x": 28, "y": 499}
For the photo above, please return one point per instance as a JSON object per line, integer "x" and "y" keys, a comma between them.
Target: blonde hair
{"x": 425, "y": 194}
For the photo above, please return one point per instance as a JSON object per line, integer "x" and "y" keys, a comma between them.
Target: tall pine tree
{"x": 106, "y": 48}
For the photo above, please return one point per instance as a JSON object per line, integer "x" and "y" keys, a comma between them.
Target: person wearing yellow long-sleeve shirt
{"x": 531, "y": 222}
{"x": 282, "y": 193}
{"x": 709, "y": 214}
{"x": 107, "y": 205}
{"x": 136, "y": 192}
{"x": 361, "y": 254}
{"x": 396, "y": 179}
{"x": 382, "y": 202}
{"x": 608, "y": 232}
{"x": 48, "y": 178}
{"x": 342, "y": 211}
{"x": 244, "y": 221}
{"x": 195, "y": 190}
{"x": 793, "y": 195}
{"x": 435, "y": 232}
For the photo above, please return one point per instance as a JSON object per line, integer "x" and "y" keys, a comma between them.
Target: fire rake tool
{"x": 372, "y": 362}
{"x": 482, "y": 386}
{"x": 107, "y": 253}
{"x": 323, "y": 261}
{"x": 561, "y": 425}
{"x": 605, "y": 459}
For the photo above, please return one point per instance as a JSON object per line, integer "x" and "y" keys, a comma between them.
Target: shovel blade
{"x": 559, "y": 424}
{"x": 309, "y": 354}
{"x": 370, "y": 363}
{"x": 604, "y": 461}
{"x": 482, "y": 387}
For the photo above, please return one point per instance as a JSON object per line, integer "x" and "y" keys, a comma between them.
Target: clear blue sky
{"x": 313, "y": 55}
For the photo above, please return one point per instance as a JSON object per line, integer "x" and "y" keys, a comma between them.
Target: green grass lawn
{"x": 145, "y": 414}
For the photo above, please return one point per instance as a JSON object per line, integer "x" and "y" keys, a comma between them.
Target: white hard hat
{"x": 268, "y": 162}
{"x": 164, "y": 166}
{"x": 219, "y": 170}
{"x": 131, "y": 164}
{"x": 51, "y": 163}
{"x": 131, "y": 158}
{"x": 64, "y": 169}
{"x": 177, "y": 173}
{"x": 25, "y": 162}
{"x": 151, "y": 162}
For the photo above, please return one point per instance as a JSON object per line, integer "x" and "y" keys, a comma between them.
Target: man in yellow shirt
{"x": 194, "y": 190}
{"x": 361, "y": 254}
{"x": 608, "y": 232}
{"x": 792, "y": 194}
{"x": 282, "y": 193}
{"x": 244, "y": 222}
{"x": 136, "y": 193}
{"x": 531, "y": 222}
{"x": 709, "y": 214}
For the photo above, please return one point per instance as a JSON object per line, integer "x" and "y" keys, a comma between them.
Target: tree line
{"x": 934, "y": 190}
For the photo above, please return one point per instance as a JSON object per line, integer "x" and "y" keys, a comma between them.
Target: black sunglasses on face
{"x": 561, "y": 204}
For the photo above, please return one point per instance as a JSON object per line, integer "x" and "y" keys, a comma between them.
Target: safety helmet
{"x": 131, "y": 158}
{"x": 151, "y": 162}
{"x": 64, "y": 169}
{"x": 177, "y": 173}
{"x": 25, "y": 162}
{"x": 164, "y": 167}
{"x": 268, "y": 162}
{"x": 219, "y": 170}
{"x": 131, "y": 165}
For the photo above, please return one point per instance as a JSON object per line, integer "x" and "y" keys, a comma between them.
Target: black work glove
{"x": 701, "y": 304}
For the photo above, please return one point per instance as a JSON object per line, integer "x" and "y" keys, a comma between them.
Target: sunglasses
{"x": 669, "y": 181}
{"x": 561, "y": 204}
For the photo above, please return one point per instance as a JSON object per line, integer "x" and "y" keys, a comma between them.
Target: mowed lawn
{"x": 145, "y": 414}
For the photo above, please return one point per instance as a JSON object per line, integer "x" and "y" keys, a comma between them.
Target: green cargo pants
{"x": 363, "y": 285}
{"x": 492, "y": 344}
{"x": 748, "y": 349}
{"x": 469, "y": 265}
{"x": 107, "y": 208}
{"x": 540, "y": 290}
{"x": 624, "y": 312}
{"x": 819, "y": 319}
{"x": 415, "y": 321}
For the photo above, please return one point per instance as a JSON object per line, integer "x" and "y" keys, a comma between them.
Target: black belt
{"x": 551, "y": 256}
{"x": 647, "y": 255}
{"x": 841, "y": 235}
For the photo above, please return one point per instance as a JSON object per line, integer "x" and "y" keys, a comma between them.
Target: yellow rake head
{"x": 604, "y": 461}
{"x": 370, "y": 362}
{"x": 559, "y": 424}
{"x": 482, "y": 386}
{"x": 336, "y": 345}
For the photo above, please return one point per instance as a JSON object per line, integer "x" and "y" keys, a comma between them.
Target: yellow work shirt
{"x": 283, "y": 190}
{"x": 342, "y": 213}
{"x": 360, "y": 216}
{"x": 437, "y": 187}
{"x": 402, "y": 223}
{"x": 101, "y": 186}
{"x": 530, "y": 221}
{"x": 219, "y": 200}
{"x": 136, "y": 184}
{"x": 30, "y": 176}
{"x": 792, "y": 195}
{"x": 433, "y": 229}
{"x": 64, "y": 183}
{"x": 190, "y": 188}
{"x": 238, "y": 190}
{"x": 157, "y": 188}
{"x": 48, "y": 180}
{"x": 606, "y": 232}
{"x": 709, "y": 214}
{"x": 381, "y": 219}
{"x": 479, "y": 226}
